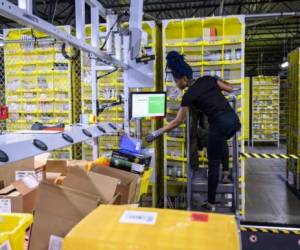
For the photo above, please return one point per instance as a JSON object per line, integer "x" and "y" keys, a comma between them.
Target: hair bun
{"x": 174, "y": 59}
{"x": 176, "y": 63}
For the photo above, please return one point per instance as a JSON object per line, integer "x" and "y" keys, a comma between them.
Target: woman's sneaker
{"x": 209, "y": 207}
{"x": 226, "y": 179}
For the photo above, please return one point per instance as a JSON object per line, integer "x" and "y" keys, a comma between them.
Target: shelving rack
{"x": 284, "y": 108}
{"x": 265, "y": 109}
{"x": 109, "y": 88}
{"x": 212, "y": 46}
{"x": 293, "y": 145}
{"x": 37, "y": 81}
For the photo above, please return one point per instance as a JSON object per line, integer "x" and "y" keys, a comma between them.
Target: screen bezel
{"x": 147, "y": 93}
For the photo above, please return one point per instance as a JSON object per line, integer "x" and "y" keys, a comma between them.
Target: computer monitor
{"x": 147, "y": 104}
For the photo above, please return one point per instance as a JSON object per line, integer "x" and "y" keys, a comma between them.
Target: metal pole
{"x": 188, "y": 162}
{"x": 221, "y": 8}
{"x": 235, "y": 156}
{"x": 95, "y": 43}
{"x": 271, "y": 15}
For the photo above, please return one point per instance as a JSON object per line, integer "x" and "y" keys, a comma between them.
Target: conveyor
{"x": 18, "y": 146}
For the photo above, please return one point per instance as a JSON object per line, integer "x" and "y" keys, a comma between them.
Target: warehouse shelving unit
{"x": 293, "y": 145}
{"x": 212, "y": 46}
{"x": 265, "y": 109}
{"x": 284, "y": 87}
{"x": 37, "y": 81}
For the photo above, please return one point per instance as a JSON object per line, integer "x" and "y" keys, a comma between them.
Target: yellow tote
{"x": 126, "y": 228}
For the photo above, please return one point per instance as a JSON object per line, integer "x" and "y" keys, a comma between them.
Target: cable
{"x": 111, "y": 29}
{"x": 55, "y": 6}
{"x": 106, "y": 74}
{"x": 65, "y": 54}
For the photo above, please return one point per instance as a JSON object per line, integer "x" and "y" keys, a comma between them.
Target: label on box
{"x": 5, "y": 206}
{"x": 137, "y": 168}
{"x": 138, "y": 217}
{"x": 5, "y": 246}
{"x": 199, "y": 217}
{"x": 20, "y": 175}
{"x": 30, "y": 181}
{"x": 55, "y": 242}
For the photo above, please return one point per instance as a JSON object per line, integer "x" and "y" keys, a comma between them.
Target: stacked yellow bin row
{"x": 212, "y": 46}
{"x": 265, "y": 109}
{"x": 37, "y": 81}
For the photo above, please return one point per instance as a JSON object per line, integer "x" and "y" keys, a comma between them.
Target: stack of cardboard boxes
{"x": 61, "y": 193}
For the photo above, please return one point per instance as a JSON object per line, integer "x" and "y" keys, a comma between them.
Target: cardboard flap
{"x": 56, "y": 166}
{"x": 92, "y": 183}
{"x": 22, "y": 187}
{"x": 41, "y": 160}
{"x": 57, "y": 210}
{"x": 127, "y": 185}
{"x": 78, "y": 163}
{"x": 125, "y": 177}
{"x": 7, "y": 190}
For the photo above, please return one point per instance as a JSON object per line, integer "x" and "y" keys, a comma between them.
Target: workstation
{"x": 175, "y": 123}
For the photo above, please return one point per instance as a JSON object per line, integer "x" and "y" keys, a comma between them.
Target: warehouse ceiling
{"x": 268, "y": 39}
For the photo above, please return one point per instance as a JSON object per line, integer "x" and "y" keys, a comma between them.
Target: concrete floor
{"x": 267, "y": 197}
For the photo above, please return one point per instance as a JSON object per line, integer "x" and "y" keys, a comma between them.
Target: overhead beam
{"x": 11, "y": 11}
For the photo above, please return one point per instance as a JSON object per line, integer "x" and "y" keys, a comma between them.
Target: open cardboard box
{"x": 58, "y": 209}
{"x": 57, "y": 169}
{"x": 93, "y": 183}
{"x": 128, "y": 182}
{"x": 19, "y": 197}
{"x": 33, "y": 166}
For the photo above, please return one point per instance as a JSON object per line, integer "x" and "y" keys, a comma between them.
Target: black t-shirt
{"x": 206, "y": 96}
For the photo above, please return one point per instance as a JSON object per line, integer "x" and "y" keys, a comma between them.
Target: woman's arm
{"x": 180, "y": 118}
{"x": 225, "y": 86}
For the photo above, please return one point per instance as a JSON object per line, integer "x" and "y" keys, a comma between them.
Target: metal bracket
{"x": 25, "y": 5}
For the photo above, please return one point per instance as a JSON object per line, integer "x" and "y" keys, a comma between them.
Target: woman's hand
{"x": 180, "y": 118}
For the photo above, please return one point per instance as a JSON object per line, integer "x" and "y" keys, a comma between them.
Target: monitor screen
{"x": 148, "y": 104}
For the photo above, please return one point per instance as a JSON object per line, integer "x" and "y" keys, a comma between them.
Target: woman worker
{"x": 205, "y": 94}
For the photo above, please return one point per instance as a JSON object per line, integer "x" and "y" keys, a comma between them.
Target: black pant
{"x": 222, "y": 128}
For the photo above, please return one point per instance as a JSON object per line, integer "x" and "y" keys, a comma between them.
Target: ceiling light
{"x": 284, "y": 64}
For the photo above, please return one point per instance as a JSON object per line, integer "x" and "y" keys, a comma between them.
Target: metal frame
{"x": 24, "y": 16}
{"x": 12, "y": 11}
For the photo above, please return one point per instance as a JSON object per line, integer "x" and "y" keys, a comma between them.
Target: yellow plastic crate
{"x": 129, "y": 228}
{"x": 13, "y": 229}
{"x": 145, "y": 181}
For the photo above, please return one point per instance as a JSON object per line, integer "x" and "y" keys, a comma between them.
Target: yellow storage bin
{"x": 145, "y": 181}
{"x": 126, "y": 228}
{"x": 13, "y": 230}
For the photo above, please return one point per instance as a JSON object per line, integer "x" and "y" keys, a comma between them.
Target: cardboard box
{"x": 104, "y": 187}
{"x": 128, "y": 182}
{"x": 19, "y": 197}
{"x": 54, "y": 169}
{"x": 58, "y": 168}
{"x": 123, "y": 227}
{"x": 58, "y": 209}
{"x": 33, "y": 166}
